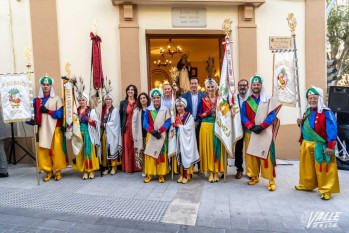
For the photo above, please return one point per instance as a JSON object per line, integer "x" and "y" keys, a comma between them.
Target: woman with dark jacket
{"x": 127, "y": 107}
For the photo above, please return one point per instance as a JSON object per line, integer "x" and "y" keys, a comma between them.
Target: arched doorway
{"x": 199, "y": 48}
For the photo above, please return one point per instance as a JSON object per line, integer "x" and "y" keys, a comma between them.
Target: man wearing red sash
{"x": 258, "y": 116}
{"x": 317, "y": 163}
{"x": 48, "y": 110}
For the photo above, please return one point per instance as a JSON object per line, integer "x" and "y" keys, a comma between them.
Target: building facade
{"x": 57, "y": 32}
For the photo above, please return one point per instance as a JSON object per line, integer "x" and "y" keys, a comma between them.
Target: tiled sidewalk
{"x": 123, "y": 203}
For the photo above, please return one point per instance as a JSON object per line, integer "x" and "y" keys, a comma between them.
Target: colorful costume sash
{"x": 320, "y": 143}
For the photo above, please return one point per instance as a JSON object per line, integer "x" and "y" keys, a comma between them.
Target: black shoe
{"x": 3, "y": 175}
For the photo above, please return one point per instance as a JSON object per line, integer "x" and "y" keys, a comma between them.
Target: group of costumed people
{"x": 144, "y": 125}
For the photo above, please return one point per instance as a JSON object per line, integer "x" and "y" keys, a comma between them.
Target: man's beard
{"x": 242, "y": 91}
{"x": 256, "y": 90}
{"x": 313, "y": 105}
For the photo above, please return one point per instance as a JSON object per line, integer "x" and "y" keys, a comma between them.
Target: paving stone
{"x": 160, "y": 227}
{"x": 192, "y": 229}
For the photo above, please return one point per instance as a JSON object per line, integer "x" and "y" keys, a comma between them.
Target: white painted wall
{"x": 22, "y": 38}
{"x": 271, "y": 21}
{"x": 159, "y": 17}
{"x": 75, "y": 22}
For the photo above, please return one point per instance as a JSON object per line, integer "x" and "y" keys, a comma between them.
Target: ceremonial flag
{"x": 15, "y": 98}
{"x": 97, "y": 78}
{"x": 228, "y": 126}
{"x": 172, "y": 138}
{"x": 71, "y": 120}
{"x": 284, "y": 78}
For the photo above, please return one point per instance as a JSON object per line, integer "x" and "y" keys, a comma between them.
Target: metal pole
{"x": 27, "y": 56}
{"x": 296, "y": 73}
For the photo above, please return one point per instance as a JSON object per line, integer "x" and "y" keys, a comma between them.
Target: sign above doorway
{"x": 193, "y": 17}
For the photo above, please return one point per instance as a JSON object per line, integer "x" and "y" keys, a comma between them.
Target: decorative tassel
{"x": 50, "y": 152}
{"x": 185, "y": 174}
{"x": 266, "y": 163}
{"x": 274, "y": 173}
{"x": 90, "y": 163}
{"x": 320, "y": 167}
{"x": 86, "y": 164}
{"x": 326, "y": 168}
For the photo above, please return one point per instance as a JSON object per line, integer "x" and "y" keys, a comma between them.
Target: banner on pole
{"x": 15, "y": 98}
{"x": 284, "y": 78}
{"x": 228, "y": 126}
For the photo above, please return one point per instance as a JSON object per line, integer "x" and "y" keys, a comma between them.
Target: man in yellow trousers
{"x": 317, "y": 164}
{"x": 48, "y": 111}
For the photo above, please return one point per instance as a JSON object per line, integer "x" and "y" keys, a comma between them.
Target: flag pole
{"x": 292, "y": 23}
{"x": 27, "y": 56}
{"x": 226, "y": 27}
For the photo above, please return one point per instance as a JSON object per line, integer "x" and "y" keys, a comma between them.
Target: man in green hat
{"x": 48, "y": 115}
{"x": 317, "y": 163}
{"x": 258, "y": 116}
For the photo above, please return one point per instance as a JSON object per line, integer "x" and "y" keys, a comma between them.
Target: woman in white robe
{"x": 187, "y": 151}
{"x": 111, "y": 136}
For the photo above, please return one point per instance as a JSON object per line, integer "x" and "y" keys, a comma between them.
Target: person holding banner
{"x": 156, "y": 121}
{"x": 211, "y": 150}
{"x": 258, "y": 116}
{"x": 111, "y": 134}
{"x": 87, "y": 160}
{"x": 317, "y": 163}
{"x": 187, "y": 151}
{"x": 48, "y": 115}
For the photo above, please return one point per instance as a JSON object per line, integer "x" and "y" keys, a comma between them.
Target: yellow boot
{"x": 85, "y": 176}
{"x": 48, "y": 176}
{"x": 271, "y": 186}
{"x": 210, "y": 177}
{"x": 113, "y": 171}
{"x": 185, "y": 177}
{"x": 91, "y": 175}
{"x": 215, "y": 177}
{"x": 326, "y": 196}
{"x": 58, "y": 176}
{"x": 254, "y": 180}
{"x": 105, "y": 172}
{"x": 148, "y": 179}
{"x": 161, "y": 179}
{"x": 180, "y": 179}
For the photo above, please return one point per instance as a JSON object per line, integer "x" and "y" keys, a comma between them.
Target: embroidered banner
{"x": 228, "y": 121}
{"x": 15, "y": 98}
{"x": 284, "y": 78}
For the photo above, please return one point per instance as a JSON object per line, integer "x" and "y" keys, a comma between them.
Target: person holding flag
{"x": 258, "y": 115}
{"x": 317, "y": 163}
{"x": 48, "y": 115}
{"x": 211, "y": 150}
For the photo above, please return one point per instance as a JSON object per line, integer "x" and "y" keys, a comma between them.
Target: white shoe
{"x": 143, "y": 174}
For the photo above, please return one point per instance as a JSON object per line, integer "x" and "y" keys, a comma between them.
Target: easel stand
{"x": 12, "y": 159}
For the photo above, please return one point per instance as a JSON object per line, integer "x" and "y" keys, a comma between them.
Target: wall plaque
{"x": 280, "y": 42}
{"x": 193, "y": 17}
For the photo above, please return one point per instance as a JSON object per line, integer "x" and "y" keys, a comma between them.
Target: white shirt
{"x": 194, "y": 101}
{"x": 166, "y": 102}
{"x": 241, "y": 100}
